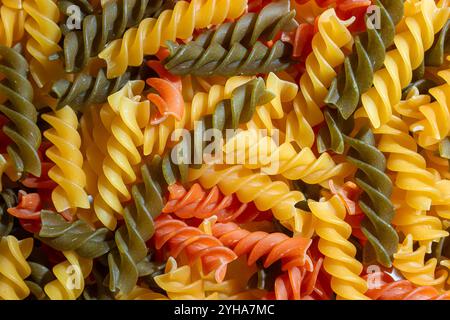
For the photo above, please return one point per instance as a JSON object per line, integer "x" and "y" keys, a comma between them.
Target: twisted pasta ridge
{"x": 327, "y": 54}
{"x": 434, "y": 117}
{"x": 423, "y": 227}
{"x": 409, "y": 107}
{"x": 260, "y": 189}
{"x": 263, "y": 152}
{"x": 12, "y": 21}
{"x": 39, "y": 277}
{"x": 70, "y": 275}
{"x": 411, "y": 168}
{"x": 200, "y": 203}
{"x": 375, "y": 202}
{"x": 41, "y": 25}
{"x": 251, "y": 27}
{"x": 125, "y": 116}
{"x": 99, "y": 29}
{"x": 404, "y": 290}
{"x": 65, "y": 153}
{"x": 85, "y": 89}
{"x": 367, "y": 57}
{"x": 411, "y": 263}
{"x": 194, "y": 59}
{"x": 22, "y": 129}
{"x": 262, "y": 245}
{"x": 77, "y": 236}
{"x": 8, "y": 200}
{"x": 131, "y": 237}
{"x": 178, "y": 23}
{"x": 177, "y": 237}
{"x": 339, "y": 252}
{"x": 14, "y": 267}
{"x": 413, "y": 38}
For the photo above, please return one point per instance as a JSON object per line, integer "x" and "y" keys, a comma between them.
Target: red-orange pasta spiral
{"x": 402, "y": 290}
{"x": 176, "y": 237}
{"x": 273, "y": 246}
{"x": 201, "y": 203}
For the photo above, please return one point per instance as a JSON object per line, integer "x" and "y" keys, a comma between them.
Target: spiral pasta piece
{"x": 367, "y": 57}
{"x": 339, "y": 252}
{"x": 414, "y": 36}
{"x": 100, "y": 29}
{"x": 412, "y": 174}
{"x": 141, "y": 293}
{"x": 85, "y": 89}
{"x": 125, "y": 116}
{"x": 70, "y": 275}
{"x": 178, "y": 237}
{"x": 41, "y": 25}
{"x": 65, "y": 153}
{"x": 411, "y": 263}
{"x": 14, "y": 268}
{"x": 131, "y": 237}
{"x": 262, "y": 245}
{"x": 178, "y": 23}
{"x": 77, "y": 236}
{"x": 327, "y": 54}
{"x": 256, "y": 151}
{"x": 11, "y": 23}
{"x": 259, "y": 188}
{"x": 22, "y": 129}
{"x": 434, "y": 117}
{"x": 200, "y": 203}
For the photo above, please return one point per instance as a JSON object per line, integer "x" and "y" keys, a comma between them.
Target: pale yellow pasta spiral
{"x": 411, "y": 263}
{"x": 409, "y": 108}
{"x": 12, "y": 22}
{"x": 339, "y": 252}
{"x": 257, "y": 187}
{"x": 70, "y": 275}
{"x": 178, "y": 23}
{"x": 414, "y": 35}
{"x": 434, "y": 161}
{"x": 411, "y": 168}
{"x": 65, "y": 153}
{"x": 327, "y": 45}
{"x": 422, "y": 227}
{"x": 256, "y": 151}
{"x": 434, "y": 123}
{"x": 180, "y": 282}
{"x": 125, "y": 115}
{"x": 44, "y": 33}
{"x": 14, "y": 268}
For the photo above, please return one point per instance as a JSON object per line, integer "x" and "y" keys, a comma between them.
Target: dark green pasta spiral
{"x": 264, "y": 25}
{"x": 77, "y": 236}
{"x": 371, "y": 178}
{"x": 19, "y": 109}
{"x": 86, "y": 89}
{"x": 8, "y": 199}
{"x": 128, "y": 261}
{"x": 368, "y": 55}
{"x": 228, "y": 114}
{"x": 435, "y": 56}
{"x": 97, "y": 30}
{"x": 217, "y": 60}
{"x": 39, "y": 277}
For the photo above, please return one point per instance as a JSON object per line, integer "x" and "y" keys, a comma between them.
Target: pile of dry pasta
{"x": 224, "y": 149}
